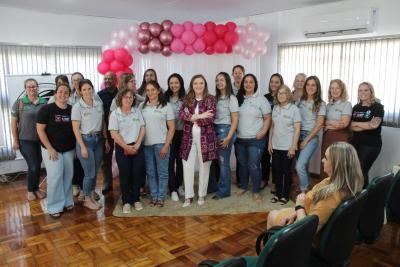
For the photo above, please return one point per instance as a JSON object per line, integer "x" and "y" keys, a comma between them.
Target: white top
{"x": 127, "y": 125}
{"x": 91, "y": 117}
{"x": 284, "y": 119}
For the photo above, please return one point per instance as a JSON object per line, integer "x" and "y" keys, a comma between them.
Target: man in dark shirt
{"x": 107, "y": 95}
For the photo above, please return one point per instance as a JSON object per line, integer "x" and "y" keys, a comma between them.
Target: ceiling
{"x": 158, "y": 10}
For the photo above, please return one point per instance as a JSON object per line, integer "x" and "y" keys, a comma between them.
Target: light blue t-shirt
{"x": 284, "y": 119}
{"x": 226, "y": 106}
{"x": 308, "y": 117}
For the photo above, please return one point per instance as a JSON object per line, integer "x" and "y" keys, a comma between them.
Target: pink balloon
{"x": 155, "y": 29}
{"x": 177, "y": 45}
{"x": 199, "y": 45}
{"x": 251, "y": 27}
{"x": 166, "y": 37}
{"x": 116, "y": 66}
{"x": 220, "y": 46}
{"x": 231, "y": 25}
{"x": 188, "y": 25}
{"x": 143, "y": 48}
{"x": 115, "y": 43}
{"x": 108, "y": 56}
{"x": 105, "y": 47}
{"x": 238, "y": 49}
{"x": 155, "y": 45}
{"x": 188, "y": 37}
{"x": 128, "y": 61}
{"x": 177, "y": 30}
{"x": 103, "y": 67}
{"x": 261, "y": 49}
{"x": 231, "y": 38}
{"x": 241, "y": 30}
{"x": 144, "y": 26}
{"x": 209, "y": 50}
{"x": 120, "y": 54}
{"x": 128, "y": 70}
{"x": 209, "y": 37}
{"x": 114, "y": 35}
{"x": 167, "y": 24}
{"x": 220, "y": 30}
{"x": 119, "y": 73}
{"x": 210, "y": 25}
{"x": 189, "y": 50}
{"x": 166, "y": 51}
{"x": 199, "y": 29}
{"x": 229, "y": 50}
{"x": 144, "y": 36}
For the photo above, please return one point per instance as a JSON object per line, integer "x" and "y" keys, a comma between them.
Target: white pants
{"x": 189, "y": 164}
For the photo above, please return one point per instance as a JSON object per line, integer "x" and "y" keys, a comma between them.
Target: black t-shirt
{"x": 59, "y": 126}
{"x": 270, "y": 99}
{"x": 365, "y": 114}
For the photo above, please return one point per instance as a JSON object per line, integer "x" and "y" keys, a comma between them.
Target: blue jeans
{"x": 90, "y": 165}
{"x": 157, "y": 171}
{"x": 59, "y": 180}
{"x": 224, "y": 156}
{"x": 304, "y": 158}
{"x": 30, "y": 150}
{"x": 249, "y": 152}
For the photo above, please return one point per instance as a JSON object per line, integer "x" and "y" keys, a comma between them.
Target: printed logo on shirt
{"x": 86, "y": 114}
{"x": 338, "y": 110}
{"x": 362, "y": 114}
{"x": 62, "y": 118}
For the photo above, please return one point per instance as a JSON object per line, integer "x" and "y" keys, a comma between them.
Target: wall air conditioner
{"x": 342, "y": 23}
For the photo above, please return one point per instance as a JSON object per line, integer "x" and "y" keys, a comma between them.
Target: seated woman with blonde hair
{"x": 345, "y": 179}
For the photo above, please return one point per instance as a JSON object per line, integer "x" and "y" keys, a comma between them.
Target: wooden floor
{"x": 29, "y": 237}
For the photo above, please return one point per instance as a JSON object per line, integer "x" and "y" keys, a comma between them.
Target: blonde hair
{"x": 297, "y": 75}
{"x": 372, "y": 90}
{"x": 346, "y": 176}
{"x": 343, "y": 95}
{"x": 288, "y": 93}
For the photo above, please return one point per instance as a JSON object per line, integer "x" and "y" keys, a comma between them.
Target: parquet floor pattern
{"x": 29, "y": 237}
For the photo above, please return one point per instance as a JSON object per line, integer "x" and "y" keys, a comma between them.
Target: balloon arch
{"x": 187, "y": 38}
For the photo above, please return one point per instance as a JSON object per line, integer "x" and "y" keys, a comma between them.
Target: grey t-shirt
{"x": 251, "y": 114}
{"x": 308, "y": 117}
{"x": 284, "y": 119}
{"x": 335, "y": 110}
{"x": 226, "y": 106}
{"x": 27, "y": 117}
{"x": 127, "y": 125}
{"x": 156, "y": 123}
{"x": 176, "y": 106}
{"x": 90, "y": 117}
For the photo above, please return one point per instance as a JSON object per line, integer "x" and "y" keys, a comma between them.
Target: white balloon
{"x": 115, "y": 44}
{"x": 114, "y": 35}
{"x": 123, "y": 35}
{"x": 105, "y": 47}
{"x": 133, "y": 29}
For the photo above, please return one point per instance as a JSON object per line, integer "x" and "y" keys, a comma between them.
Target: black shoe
{"x": 216, "y": 197}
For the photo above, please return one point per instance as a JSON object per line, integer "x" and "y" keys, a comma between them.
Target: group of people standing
{"x": 160, "y": 135}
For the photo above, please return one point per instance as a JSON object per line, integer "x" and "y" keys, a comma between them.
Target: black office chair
{"x": 393, "y": 200}
{"x": 373, "y": 214}
{"x": 290, "y": 246}
{"x": 339, "y": 233}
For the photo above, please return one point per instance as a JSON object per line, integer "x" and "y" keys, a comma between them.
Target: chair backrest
{"x": 290, "y": 246}
{"x": 373, "y": 214}
{"x": 338, "y": 235}
{"x": 393, "y": 200}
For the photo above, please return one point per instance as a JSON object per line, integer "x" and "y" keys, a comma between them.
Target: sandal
{"x": 274, "y": 199}
{"x": 283, "y": 201}
{"x": 160, "y": 203}
{"x": 55, "y": 215}
{"x": 257, "y": 197}
{"x": 152, "y": 203}
{"x": 69, "y": 208}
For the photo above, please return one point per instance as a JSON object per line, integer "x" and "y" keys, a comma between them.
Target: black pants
{"x": 282, "y": 173}
{"x": 266, "y": 166}
{"x": 367, "y": 156}
{"x": 107, "y": 165}
{"x": 129, "y": 167}
{"x": 175, "y": 167}
{"x": 77, "y": 179}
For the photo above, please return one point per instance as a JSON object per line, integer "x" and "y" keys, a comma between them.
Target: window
{"x": 35, "y": 60}
{"x": 353, "y": 61}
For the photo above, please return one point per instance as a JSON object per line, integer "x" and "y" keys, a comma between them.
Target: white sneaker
{"x": 186, "y": 203}
{"x": 75, "y": 190}
{"x": 138, "y": 206}
{"x": 126, "y": 209}
{"x": 200, "y": 201}
{"x": 174, "y": 196}
{"x": 181, "y": 192}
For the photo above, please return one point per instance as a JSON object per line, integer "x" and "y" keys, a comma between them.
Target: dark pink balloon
{"x": 143, "y": 36}
{"x": 155, "y": 45}
{"x": 231, "y": 38}
{"x": 103, "y": 67}
{"x": 116, "y": 66}
{"x": 209, "y": 50}
{"x": 188, "y": 37}
{"x": 108, "y": 56}
{"x": 166, "y": 37}
{"x": 210, "y": 25}
{"x": 177, "y": 46}
{"x": 209, "y": 37}
{"x": 231, "y": 25}
{"x": 199, "y": 45}
{"x": 199, "y": 29}
{"x": 189, "y": 50}
{"x": 143, "y": 48}
{"x": 155, "y": 29}
{"x": 144, "y": 25}
{"x": 128, "y": 70}
{"x": 121, "y": 54}
{"x": 220, "y": 46}
{"x": 128, "y": 61}
{"x": 166, "y": 51}
{"x": 119, "y": 73}
{"x": 229, "y": 50}
{"x": 167, "y": 24}
{"x": 220, "y": 30}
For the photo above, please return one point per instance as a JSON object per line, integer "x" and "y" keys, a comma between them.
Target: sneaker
{"x": 187, "y": 203}
{"x": 181, "y": 192}
{"x": 200, "y": 201}
{"x": 174, "y": 196}
{"x": 81, "y": 196}
{"x": 90, "y": 204}
{"x": 95, "y": 196}
{"x": 75, "y": 190}
{"x": 40, "y": 194}
{"x": 138, "y": 206}
{"x": 126, "y": 209}
{"x": 31, "y": 196}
